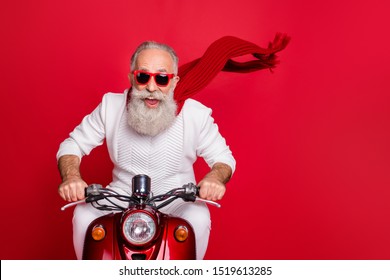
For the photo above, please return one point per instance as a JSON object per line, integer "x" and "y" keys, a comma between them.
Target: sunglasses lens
{"x": 162, "y": 79}
{"x": 142, "y": 78}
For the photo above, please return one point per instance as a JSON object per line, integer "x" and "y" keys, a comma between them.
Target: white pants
{"x": 197, "y": 214}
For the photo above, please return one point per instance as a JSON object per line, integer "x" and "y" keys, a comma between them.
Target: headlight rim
{"x": 127, "y": 215}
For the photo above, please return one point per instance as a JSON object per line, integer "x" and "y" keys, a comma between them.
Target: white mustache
{"x": 144, "y": 94}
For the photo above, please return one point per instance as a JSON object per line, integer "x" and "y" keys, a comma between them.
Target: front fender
{"x": 176, "y": 250}
{"x": 107, "y": 248}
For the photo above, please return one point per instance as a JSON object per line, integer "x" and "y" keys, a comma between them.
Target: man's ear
{"x": 175, "y": 80}
{"x": 130, "y": 78}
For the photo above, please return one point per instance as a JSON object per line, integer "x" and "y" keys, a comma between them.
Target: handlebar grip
{"x": 191, "y": 189}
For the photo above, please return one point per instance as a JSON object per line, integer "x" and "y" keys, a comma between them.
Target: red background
{"x": 311, "y": 140}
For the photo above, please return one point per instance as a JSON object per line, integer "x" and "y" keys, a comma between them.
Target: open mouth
{"x": 151, "y": 102}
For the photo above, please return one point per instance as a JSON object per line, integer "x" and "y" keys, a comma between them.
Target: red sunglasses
{"x": 161, "y": 79}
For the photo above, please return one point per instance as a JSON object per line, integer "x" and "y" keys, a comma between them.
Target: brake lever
{"x": 216, "y": 204}
{"x": 63, "y": 208}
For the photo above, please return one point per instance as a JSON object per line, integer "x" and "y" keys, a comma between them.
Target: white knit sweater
{"x": 167, "y": 158}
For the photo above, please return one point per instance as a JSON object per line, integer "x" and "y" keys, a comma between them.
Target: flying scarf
{"x": 197, "y": 74}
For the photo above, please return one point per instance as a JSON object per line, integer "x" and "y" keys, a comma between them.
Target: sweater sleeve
{"x": 89, "y": 134}
{"x": 212, "y": 145}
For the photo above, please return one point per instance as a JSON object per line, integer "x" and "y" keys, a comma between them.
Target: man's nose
{"x": 151, "y": 86}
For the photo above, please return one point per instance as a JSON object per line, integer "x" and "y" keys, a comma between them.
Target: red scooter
{"x": 139, "y": 231}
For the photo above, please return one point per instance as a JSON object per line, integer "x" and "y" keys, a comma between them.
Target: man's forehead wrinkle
{"x": 155, "y": 60}
{"x": 162, "y": 69}
{"x": 144, "y": 68}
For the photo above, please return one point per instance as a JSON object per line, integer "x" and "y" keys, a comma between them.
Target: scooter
{"x": 139, "y": 231}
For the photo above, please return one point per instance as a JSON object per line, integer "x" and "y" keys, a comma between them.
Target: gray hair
{"x": 154, "y": 45}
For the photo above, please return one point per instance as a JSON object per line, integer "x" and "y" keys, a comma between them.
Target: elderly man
{"x": 147, "y": 133}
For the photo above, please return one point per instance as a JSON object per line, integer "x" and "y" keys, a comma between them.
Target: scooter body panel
{"x": 163, "y": 247}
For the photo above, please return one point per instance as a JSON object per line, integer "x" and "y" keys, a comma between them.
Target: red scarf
{"x": 197, "y": 74}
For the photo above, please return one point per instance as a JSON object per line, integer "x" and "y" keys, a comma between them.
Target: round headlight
{"x": 139, "y": 228}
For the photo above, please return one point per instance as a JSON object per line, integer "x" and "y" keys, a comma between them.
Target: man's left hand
{"x": 212, "y": 187}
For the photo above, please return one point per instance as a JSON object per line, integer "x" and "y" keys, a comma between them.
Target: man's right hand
{"x": 72, "y": 189}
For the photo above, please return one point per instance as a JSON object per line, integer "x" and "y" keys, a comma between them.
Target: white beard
{"x": 151, "y": 121}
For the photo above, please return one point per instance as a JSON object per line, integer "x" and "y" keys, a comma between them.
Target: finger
{"x": 80, "y": 192}
{"x": 73, "y": 192}
{"x": 61, "y": 193}
{"x": 203, "y": 192}
{"x": 210, "y": 193}
{"x": 218, "y": 193}
{"x": 64, "y": 192}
